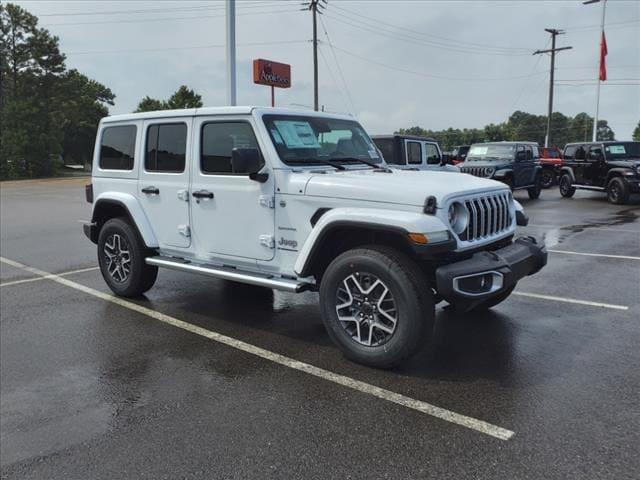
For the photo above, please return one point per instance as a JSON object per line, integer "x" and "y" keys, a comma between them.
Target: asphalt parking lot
{"x": 206, "y": 379}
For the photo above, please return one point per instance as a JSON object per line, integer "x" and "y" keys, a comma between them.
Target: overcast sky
{"x": 394, "y": 64}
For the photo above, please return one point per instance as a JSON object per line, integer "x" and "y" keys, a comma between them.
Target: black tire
{"x": 508, "y": 181}
{"x": 117, "y": 235}
{"x": 548, "y": 178}
{"x": 617, "y": 191}
{"x": 534, "y": 192}
{"x": 566, "y": 189}
{"x": 408, "y": 289}
{"x": 492, "y": 302}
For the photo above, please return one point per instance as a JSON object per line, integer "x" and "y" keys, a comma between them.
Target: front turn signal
{"x": 419, "y": 238}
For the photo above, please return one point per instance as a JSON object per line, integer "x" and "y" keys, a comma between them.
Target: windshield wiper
{"x": 306, "y": 161}
{"x": 362, "y": 160}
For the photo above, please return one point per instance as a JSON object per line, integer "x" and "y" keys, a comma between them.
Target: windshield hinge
{"x": 267, "y": 241}
{"x": 268, "y": 201}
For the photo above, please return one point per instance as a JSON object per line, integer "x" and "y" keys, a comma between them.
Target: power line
{"x": 333, "y": 79}
{"x": 168, "y": 19}
{"x": 335, "y": 57}
{"x": 448, "y": 41}
{"x": 420, "y": 41}
{"x": 193, "y": 47}
{"x": 466, "y": 78}
{"x": 152, "y": 10}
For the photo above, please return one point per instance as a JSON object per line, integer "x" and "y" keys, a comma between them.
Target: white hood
{"x": 399, "y": 187}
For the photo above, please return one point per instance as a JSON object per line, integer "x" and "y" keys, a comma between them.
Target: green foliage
{"x": 521, "y": 126}
{"x": 47, "y": 113}
{"x": 184, "y": 97}
{"x": 636, "y": 133}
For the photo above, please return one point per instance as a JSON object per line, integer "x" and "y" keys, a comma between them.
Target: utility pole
{"x": 554, "y": 33}
{"x": 231, "y": 51}
{"x": 316, "y": 7}
{"x": 595, "y": 119}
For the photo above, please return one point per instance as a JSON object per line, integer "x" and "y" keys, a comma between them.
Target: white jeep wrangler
{"x": 302, "y": 201}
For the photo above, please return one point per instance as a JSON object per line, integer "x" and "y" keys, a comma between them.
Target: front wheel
{"x": 548, "y": 178}
{"x": 121, "y": 256}
{"x": 534, "y": 192}
{"x": 377, "y": 306}
{"x": 618, "y": 191}
{"x": 566, "y": 189}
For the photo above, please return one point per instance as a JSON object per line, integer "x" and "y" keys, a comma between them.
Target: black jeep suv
{"x": 611, "y": 167}
{"x": 515, "y": 163}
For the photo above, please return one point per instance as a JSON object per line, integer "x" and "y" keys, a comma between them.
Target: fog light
{"x": 478, "y": 284}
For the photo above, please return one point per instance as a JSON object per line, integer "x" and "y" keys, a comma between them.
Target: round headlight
{"x": 489, "y": 172}
{"x": 458, "y": 217}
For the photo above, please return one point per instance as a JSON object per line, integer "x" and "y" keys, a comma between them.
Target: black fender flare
{"x": 615, "y": 172}
{"x": 569, "y": 171}
{"x": 503, "y": 173}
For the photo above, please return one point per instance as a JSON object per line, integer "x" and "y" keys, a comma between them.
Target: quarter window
{"x": 166, "y": 147}
{"x": 219, "y": 139}
{"x": 117, "y": 148}
{"x": 414, "y": 153}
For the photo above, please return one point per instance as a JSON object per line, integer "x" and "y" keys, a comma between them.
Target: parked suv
{"x": 611, "y": 167}
{"x": 302, "y": 201}
{"x": 516, "y": 164}
{"x": 551, "y": 161}
{"x": 411, "y": 152}
{"x": 459, "y": 153}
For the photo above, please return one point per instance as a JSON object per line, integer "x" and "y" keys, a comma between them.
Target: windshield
{"x": 302, "y": 140}
{"x": 491, "y": 152}
{"x": 623, "y": 150}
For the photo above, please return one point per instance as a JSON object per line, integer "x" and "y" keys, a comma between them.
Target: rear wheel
{"x": 566, "y": 189}
{"x": 121, "y": 256}
{"x": 548, "y": 178}
{"x": 376, "y": 305}
{"x": 617, "y": 191}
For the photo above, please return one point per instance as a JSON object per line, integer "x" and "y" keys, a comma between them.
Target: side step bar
{"x": 261, "y": 280}
{"x": 589, "y": 187}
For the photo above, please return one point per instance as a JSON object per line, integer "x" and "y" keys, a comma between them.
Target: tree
{"x": 580, "y": 128}
{"x": 148, "y": 104}
{"x": 636, "y": 133}
{"x": 604, "y": 132}
{"x": 184, "y": 97}
{"x": 45, "y": 110}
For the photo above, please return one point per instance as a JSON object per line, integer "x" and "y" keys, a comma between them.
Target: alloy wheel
{"x": 117, "y": 257}
{"x": 366, "y": 309}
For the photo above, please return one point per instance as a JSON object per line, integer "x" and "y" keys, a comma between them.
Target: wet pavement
{"x": 92, "y": 389}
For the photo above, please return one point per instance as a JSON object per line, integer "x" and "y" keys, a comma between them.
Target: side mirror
{"x": 520, "y": 156}
{"x": 248, "y": 161}
{"x": 446, "y": 159}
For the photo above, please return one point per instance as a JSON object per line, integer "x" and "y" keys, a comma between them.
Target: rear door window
{"x": 433, "y": 156}
{"x": 117, "y": 147}
{"x": 166, "y": 148}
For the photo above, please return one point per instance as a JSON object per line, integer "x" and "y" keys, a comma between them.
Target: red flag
{"x": 603, "y": 54}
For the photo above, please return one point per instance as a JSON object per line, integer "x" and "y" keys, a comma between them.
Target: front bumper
{"x": 489, "y": 273}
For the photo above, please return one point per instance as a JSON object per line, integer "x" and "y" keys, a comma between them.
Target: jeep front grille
{"x": 484, "y": 172}
{"x": 489, "y": 216}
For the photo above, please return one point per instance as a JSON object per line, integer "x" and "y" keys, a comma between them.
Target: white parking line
{"x": 623, "y": 257}
{"x": 363, "y": 387}
{"x": 36, "y": 279}
{"x": 571, "y": 300}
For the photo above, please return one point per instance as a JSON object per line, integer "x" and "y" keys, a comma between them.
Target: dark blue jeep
{"x": 516, "y": 164}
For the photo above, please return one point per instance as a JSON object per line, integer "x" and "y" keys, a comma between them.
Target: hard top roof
{"x": 408, "y": 137}
{"x": 240, "y": 110}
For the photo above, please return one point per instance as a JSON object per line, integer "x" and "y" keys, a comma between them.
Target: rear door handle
{"x": 202, "y": 194}
{"x": 151, "y": 190}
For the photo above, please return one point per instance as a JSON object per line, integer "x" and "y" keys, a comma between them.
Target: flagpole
{"x": 595, "y": 120}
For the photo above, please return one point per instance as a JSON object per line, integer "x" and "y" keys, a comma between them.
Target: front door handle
{"x": 202, "y": 194}
{"x": 151, "y": 190}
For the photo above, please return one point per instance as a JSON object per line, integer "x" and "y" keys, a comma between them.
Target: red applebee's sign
{"x": 274, "y": 74}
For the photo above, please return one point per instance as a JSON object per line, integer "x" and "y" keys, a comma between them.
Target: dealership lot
{"x": 206, "y": 379}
